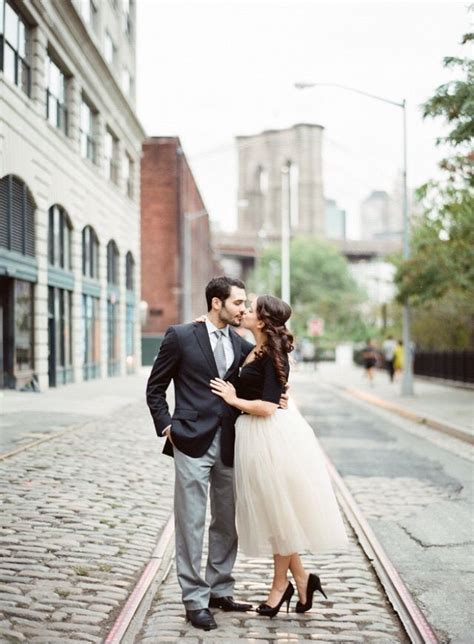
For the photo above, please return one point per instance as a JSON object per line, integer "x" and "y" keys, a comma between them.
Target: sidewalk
{"x": 29, "y": 416}
{"x": 444, "y": 405}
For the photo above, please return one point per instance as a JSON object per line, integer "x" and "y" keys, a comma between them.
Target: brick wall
{"x": 169, "y": 196}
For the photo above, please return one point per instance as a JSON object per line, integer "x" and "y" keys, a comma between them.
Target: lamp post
{"x": 188, "y": 218}
{"x": 285, "y": 234}
{"x": 407, "y": 381}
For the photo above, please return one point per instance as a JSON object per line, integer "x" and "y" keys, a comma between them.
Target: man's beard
{"x": 227, "y": 319}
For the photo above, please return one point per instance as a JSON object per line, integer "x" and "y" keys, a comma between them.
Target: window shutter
{"x": 4, "y": 214}
{"x": 18, "y": 230}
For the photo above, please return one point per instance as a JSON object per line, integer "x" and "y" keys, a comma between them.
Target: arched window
{"x": 59, "y": 238}
{"x": 112, "y": 263}
{"x": 17, "y": 225}
{"x": 90, "y": 253}
{"x": 129, "y": 272}
{"x": 262, "y": 180}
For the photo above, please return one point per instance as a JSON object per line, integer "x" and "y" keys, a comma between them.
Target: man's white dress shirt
{"x": 226, "y": 341}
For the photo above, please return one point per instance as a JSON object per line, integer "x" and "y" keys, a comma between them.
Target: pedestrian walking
{"x": 285, "y": 501}
{"x": 200, "y": 435}
{"x": 388, "y": 350}
{"x": 369, "y": 360}
{"x": 398, "y": 358}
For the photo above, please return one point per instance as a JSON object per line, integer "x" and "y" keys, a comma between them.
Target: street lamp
{"x": 407, "y": 381}
{"x": 188, "y": 218}
{"x": 285, "y": 234}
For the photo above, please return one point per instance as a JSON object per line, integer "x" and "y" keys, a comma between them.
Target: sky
{"x": 210, "y": 71}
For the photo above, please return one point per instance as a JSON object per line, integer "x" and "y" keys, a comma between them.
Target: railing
{"x": 457, "y": 366}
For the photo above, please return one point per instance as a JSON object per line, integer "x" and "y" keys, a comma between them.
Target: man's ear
{"x": 216, "y": 303}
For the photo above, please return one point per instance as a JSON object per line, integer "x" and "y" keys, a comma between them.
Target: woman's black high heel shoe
{"x": 271, "y": 611}
{"x": 314, "y": 583}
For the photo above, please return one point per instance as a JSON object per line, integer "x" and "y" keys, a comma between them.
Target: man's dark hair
{"x": 220, "y": 287}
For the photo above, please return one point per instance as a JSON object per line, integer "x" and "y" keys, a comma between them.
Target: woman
{"x": 398, "y": 359}
{"x": 284, "y": 499}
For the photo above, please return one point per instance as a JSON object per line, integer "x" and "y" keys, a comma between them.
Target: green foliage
{"x": 447, "y": 323}
{"x": 321, "y": 286}
{"x": 455, "y": 100}
{"x": 441, "y": 267}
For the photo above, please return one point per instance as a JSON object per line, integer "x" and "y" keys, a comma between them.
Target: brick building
{"x": 177, "y": 257}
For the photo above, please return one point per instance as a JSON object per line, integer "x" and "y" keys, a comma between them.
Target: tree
{"x": 441, "y": 267}
{"x": 321, "y": 286}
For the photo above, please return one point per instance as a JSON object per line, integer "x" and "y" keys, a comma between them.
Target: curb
{"x": 434, "y": 423}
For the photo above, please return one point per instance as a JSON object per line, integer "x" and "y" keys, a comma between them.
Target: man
{"x": 201, "y": 436}
{"x": 388, "y": 349}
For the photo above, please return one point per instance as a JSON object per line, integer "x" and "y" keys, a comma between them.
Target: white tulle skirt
{"x": 284, "y": 498}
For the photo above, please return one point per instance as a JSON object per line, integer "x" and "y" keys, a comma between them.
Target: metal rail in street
{"x": 133, "y": 612}
{"x": 130, "y": 619}
{"x": 40, "y": 441}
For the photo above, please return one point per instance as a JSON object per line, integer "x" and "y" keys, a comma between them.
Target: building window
{"x": 59, "y": 238}
{"x": 111, "y": 156}
{"x": 113, "y": 337}
{"x": 130, "y": 338}
{"x": 128, "y": 175}
{"x": 262, "y": 181}
{"x": 56, "y": 111}
{"x": 59, "y": 336}
{"x": 90, "y": 253}
{"x": 112, "y": 263}
{"x": 110, "y": 50}
{"x": 87, "y": 132}
{"x": 126, "y": 82}
{"x": 14, "y": 43}
{"x": 126, "y": 18}
{"x": 91, "y": 337}
{"x": 294, "y": 181}
{"x": 23, "y": 326}
{"x": 88, "y": 11}
{"x": 129, "y": 272}
{"x": 17, "y": 221}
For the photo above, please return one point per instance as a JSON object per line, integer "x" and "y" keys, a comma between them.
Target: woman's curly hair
{"x": 274, "y": 313}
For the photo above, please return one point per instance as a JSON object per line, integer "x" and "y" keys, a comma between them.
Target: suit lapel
{"x": 202, "y": 336}
{"x": 235, "y": 339}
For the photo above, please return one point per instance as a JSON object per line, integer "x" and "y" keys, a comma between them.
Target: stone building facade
{"x": 70, "y": 147}
{"x": 177, "y": 256}
{"x": 261, "y": 157}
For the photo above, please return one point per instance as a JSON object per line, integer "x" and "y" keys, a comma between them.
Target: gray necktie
{"x": 219, "y": 353}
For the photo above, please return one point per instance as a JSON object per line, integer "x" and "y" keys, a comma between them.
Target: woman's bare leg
{"x": 300, "y": 575}
{"x": 280, "y": 578}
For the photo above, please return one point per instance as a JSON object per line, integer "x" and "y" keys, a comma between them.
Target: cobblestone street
{"x": 81, "y": 515}
{"x": 356, "y": 609}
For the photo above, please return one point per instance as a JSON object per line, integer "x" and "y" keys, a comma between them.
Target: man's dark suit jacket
{"x": 186, "y": 357}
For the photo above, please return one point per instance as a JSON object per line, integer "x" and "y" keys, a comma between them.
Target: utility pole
{"x": 285, "y": 234}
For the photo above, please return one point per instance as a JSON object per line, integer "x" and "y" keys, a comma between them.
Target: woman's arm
{"x": 255, "y": 407}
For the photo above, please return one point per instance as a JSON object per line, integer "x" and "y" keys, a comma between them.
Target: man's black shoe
{"x": 228, "y": 604}
{"x": 201, "y": 618}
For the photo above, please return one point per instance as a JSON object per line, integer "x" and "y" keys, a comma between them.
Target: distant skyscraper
{"x": 335, "y": 221}
{"x": 261, "y": 158}
{"x": 380, "y": 216}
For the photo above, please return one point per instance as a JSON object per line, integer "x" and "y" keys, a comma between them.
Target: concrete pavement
{"x": 415, "y": 488}
{"x": 448, "y": 405}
